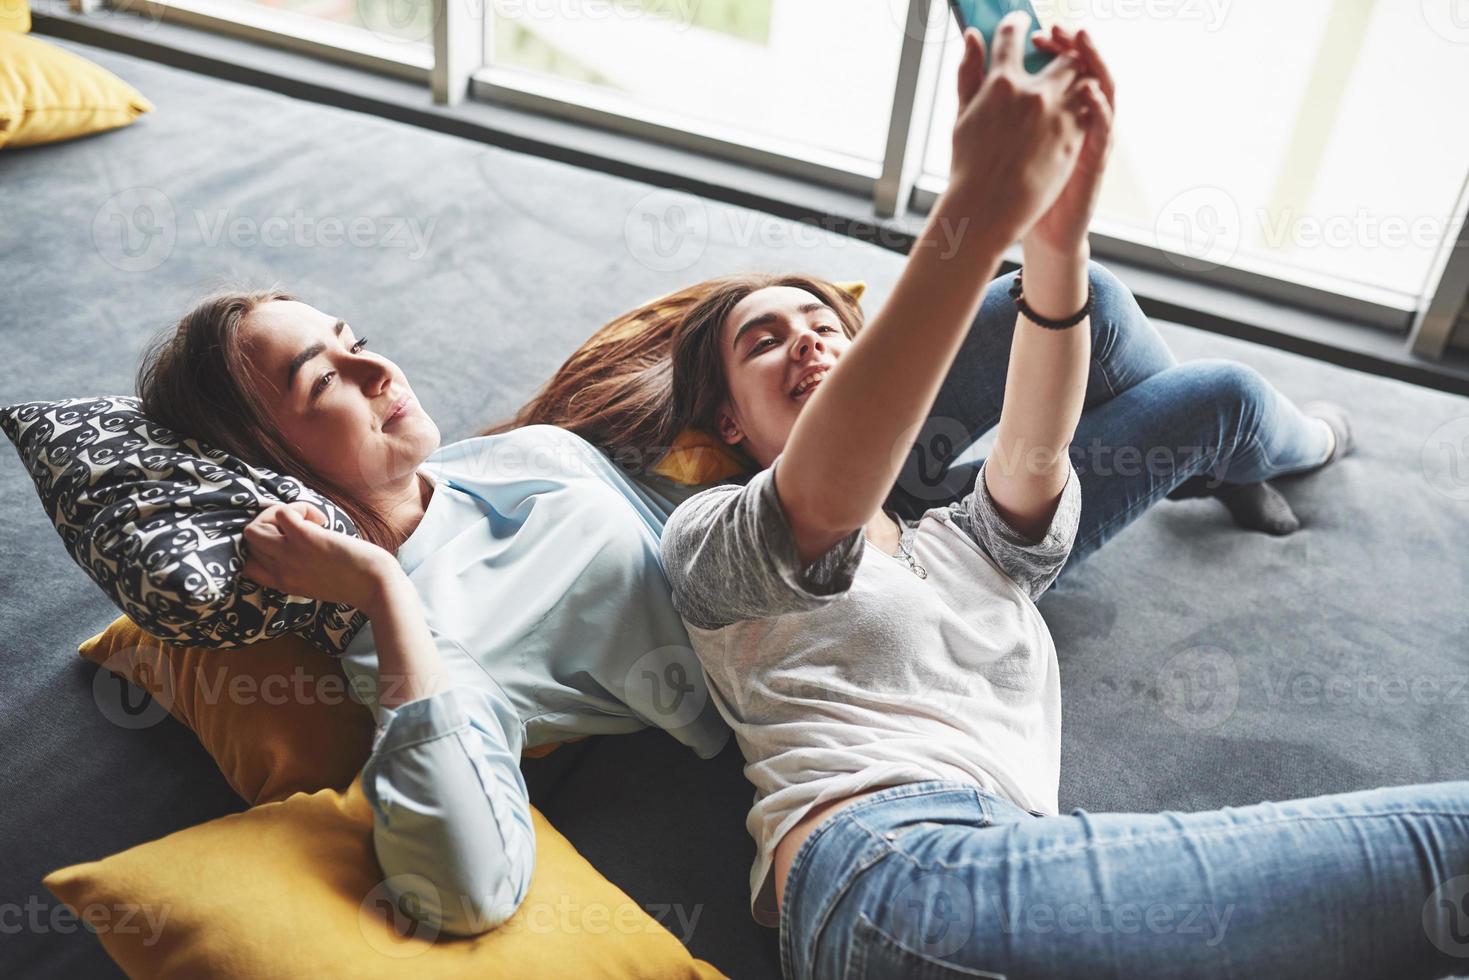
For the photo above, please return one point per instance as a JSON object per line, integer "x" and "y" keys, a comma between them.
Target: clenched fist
{"x": 289, "y": 548}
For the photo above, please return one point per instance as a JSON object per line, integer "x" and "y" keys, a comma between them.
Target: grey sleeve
{"x": 1033, "y": 565}
{"x": 730, "y": 556}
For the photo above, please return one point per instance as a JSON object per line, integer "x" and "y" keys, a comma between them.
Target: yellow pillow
{"x": 48, "y": 94}
{"x": 278, "y": 717}
{"x": 292, "y": 889}
{"x": 854, "y": 289}
{"x": 699, "y": 457}
{"x": 15, "y": 15}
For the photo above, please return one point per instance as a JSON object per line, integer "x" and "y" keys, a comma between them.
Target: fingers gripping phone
{"x": 985, "y": 16}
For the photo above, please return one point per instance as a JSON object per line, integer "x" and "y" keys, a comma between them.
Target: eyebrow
{"x": 766, "y": 319}
{"x": 309, "y": 353}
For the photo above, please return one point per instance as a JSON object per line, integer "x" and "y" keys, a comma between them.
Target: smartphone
{"x": 985, "y": 15}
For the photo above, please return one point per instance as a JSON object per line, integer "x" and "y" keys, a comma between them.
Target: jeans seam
{"x": 883, "y": 850}
{"x": 860, "y": 951}
{"x": 799, "y": 860}
{"x": 802, "y": 855}
{"x": 1151, "y": 838}
{"x": 948, "y": 787}
{"x": 1101, "y": 360}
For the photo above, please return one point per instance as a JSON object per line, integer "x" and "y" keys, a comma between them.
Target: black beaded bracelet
{"x": 1018, "y": 295}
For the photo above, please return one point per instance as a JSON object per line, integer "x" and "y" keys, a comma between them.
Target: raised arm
{"x": 1046, "y": 382}
{"x": 1016, "y": 140}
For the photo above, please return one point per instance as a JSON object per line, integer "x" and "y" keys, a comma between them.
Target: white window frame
{"x": 453, "y": 66}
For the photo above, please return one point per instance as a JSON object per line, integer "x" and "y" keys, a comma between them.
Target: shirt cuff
{"x": 428, "y": 718}
{"x": 829, "y": 574}
{"x": 1060, "y": 533}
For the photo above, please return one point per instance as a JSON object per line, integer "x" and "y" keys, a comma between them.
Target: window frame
{"x": 455, "y": 66}
{"x": 356, "y": 47}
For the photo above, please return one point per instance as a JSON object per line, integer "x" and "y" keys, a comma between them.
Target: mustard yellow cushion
{"x": 15, "y": 15}
{"x": 278, "y": 717}
{"x": 698, "y": 457}
{"x": 291, "y": 889}
{"x": 48, "y": 94}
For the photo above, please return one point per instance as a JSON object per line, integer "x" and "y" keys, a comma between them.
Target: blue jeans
{"x": 945, "y": 880}
{"x": 1148, "y": 422}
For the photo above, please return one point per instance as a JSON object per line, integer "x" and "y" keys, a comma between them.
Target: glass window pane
{"x": 1315, "y": 140}
{"x": 818, "y": 73}
{"x": 398, "y": 21}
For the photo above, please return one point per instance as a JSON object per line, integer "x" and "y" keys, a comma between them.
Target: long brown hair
{"x": 195, "y": 379}
{"x": 646, "y": 376}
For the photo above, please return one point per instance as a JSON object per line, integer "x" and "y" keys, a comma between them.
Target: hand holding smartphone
{"x": 985, "y": 16}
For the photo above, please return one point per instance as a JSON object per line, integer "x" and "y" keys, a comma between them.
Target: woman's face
{"x": 777, "y": 345}
{"x": 334, "y": 400}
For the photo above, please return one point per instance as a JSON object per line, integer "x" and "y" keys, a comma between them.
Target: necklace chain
{"x": 907, "y": 555}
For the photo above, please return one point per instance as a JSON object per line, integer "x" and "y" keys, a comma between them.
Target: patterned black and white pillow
{"x": 157, "y": 520}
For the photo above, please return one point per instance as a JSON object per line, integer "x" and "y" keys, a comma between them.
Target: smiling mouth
{"x": 809, "y": 384}
{"x": 400, "y": 410}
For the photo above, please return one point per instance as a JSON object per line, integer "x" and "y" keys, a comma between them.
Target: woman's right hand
{"x": 1018, "y": 135}
{"x": 289, "y": 548}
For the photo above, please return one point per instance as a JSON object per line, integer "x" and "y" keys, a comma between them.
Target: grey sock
{"x": 1254, "y": 506}
{"x": 1258, "y": 507}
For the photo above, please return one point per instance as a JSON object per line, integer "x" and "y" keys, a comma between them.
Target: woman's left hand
{"x": 1062, "y": 230}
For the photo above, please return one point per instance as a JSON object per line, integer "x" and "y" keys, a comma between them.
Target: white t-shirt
{"x": 856, "y": 673}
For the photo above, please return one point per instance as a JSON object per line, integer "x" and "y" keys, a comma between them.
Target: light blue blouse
{"x": 537, "y": 564}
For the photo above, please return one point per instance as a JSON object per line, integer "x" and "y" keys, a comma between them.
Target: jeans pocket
{"x": 875, "y": 955}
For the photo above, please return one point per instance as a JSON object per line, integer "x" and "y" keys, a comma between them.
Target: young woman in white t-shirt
{"x": 891, "y": 684}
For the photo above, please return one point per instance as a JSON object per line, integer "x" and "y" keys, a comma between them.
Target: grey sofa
{"x": 514, "y": 260}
